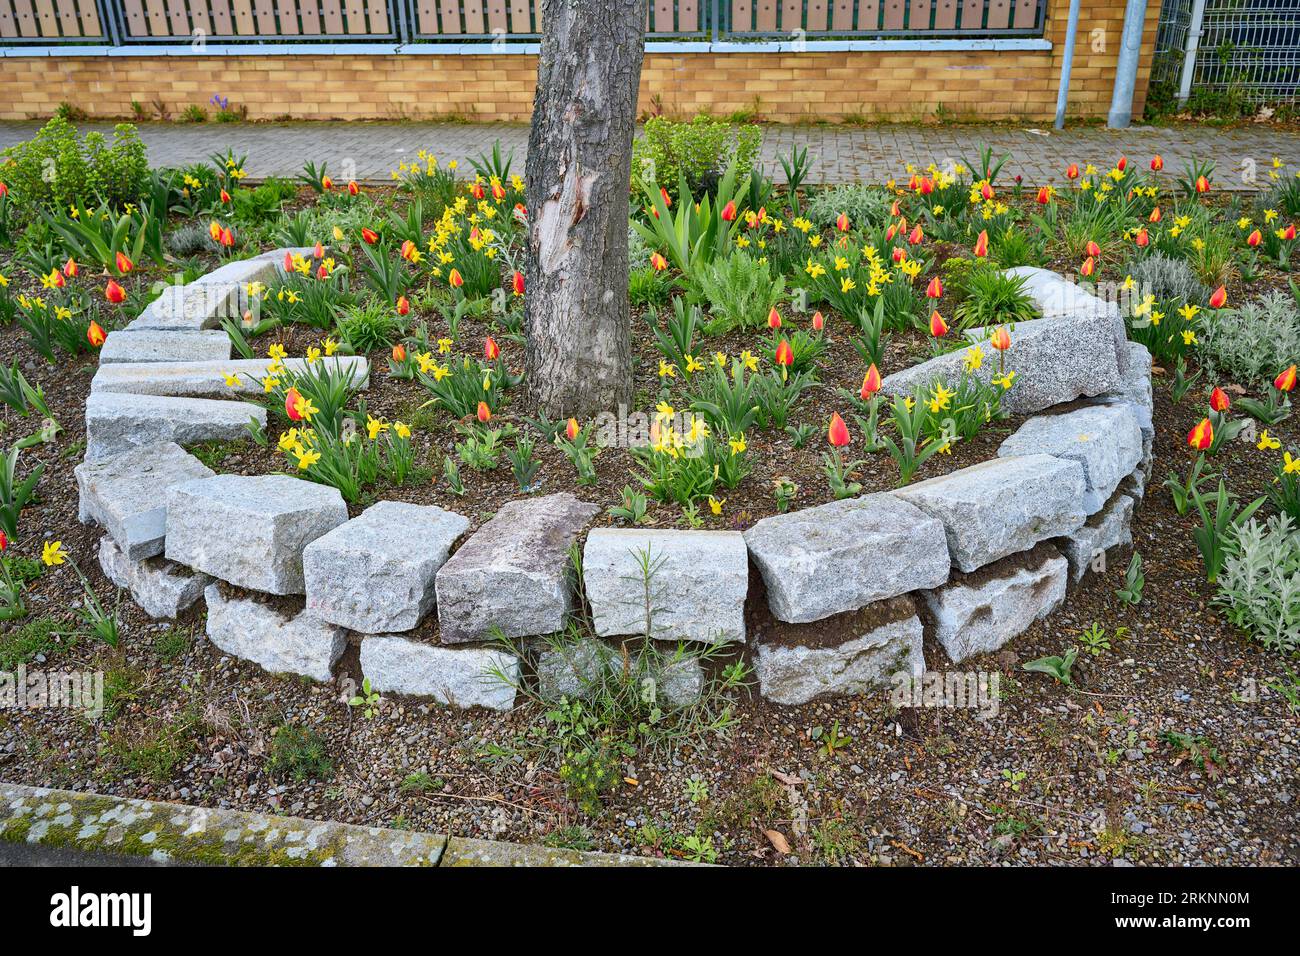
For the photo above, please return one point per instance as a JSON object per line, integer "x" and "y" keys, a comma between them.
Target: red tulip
{"x": 818, "y": 321}
{"x": 476, "y": 190}
{"x": 1122, "y": 164}
{"x": 842, "y": 222}
{"x": 870, "y": 382}
{"x": 1044, "y": 196}
{"x": 288, "y": 262}
{"x": 986, "y": 190}
{"x": 227, "y": 237}
{"x": 1254, "y": 239}
{"x": 1202, "y": 184}
{"x": 1157, "y": 163}
{"x": 124, "y": 265}
{"x": 407, "y": 250}
{"x": 658, "y": 262}
{"x": 225, "y": 196}
{"x": 517, "y": 283}
{"x": 982, "y": 244}
{"x": 370, "y": 236}
{"x": 774, "y": 319}
{"x": 1219, "y": 400}
{"x": 403, "y": 305}
{"x": 1072, "y": 171}
{"x": 1088, "y": 268}
{"x": 668, "y": 200}
{"x": 491, "y": 351}
{"x": 1000, "y": 339}
{"x": 4, "y": 190}
{"x": 938, "y": 327}
{"x": 291, "y": 401}
{"x": 899, "y": 254}
{"x": 4, "y": 539}
{"x": 1219, "y": 299}
{"x": 571, "y": 430}
{"x": 729, "y": 212}
{"x": 895, "y": 208}
{"x": 838, "y": 433}
{"x": 114, "y": 293}
{"x": 1286, "y": 380}
{"x": 70, "y": 268}
{"x": 318, "y": 252}
{"x": 1142, "y": 238}
{"x": 935, "y": 289}
{"x": 399, "y": 353}
{"x": 353, "y": 188}
{"x": 484, "y": 413}
{"x": 784, "y": 354}
{"x": 1155, "y": 215}
{"x": 95, "y": 334}
{"x": 1092, "y": 249}
{"x": 326, "y": 183}
{"x": 916, "y": 235}
{"x": 1289, "y": 232}
{"x": 926, "y": 187}
{"x": 1202, "y": 435}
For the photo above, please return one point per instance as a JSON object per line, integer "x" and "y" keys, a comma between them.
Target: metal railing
{"x": 1247, "y": 49}
{"x": 130, "y": 22}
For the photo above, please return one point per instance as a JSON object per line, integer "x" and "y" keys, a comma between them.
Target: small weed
{"x": 298, "y": 753}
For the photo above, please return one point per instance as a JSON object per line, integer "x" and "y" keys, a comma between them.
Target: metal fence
{"x": 129, "y": 22}
{"x": 1247, "y": 49}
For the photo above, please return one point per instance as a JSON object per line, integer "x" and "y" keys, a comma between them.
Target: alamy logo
{"x": 74, "y": 908}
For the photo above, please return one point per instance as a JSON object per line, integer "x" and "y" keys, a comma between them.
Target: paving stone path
{"x": 369, "y": 151}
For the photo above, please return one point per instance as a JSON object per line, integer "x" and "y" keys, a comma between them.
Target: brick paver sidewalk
{"x": 369, "y": 151}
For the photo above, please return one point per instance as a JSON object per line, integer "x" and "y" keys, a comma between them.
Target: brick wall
{"x": 789, "y": 87}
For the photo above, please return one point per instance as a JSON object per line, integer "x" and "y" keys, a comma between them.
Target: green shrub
{"x": 700, "y": 149}
{"x": 1252, "y": 344}
{"x": 864, "y": 205}
{"x": 1168, "y": 279}
{"x": 369, "y": 326}
{"x": 647, "y": 287}
{"x": 991, "y": 297}
{"x": 740, "y": 292}
{"x": 55, "y": 168}
{"x": 1259, "y": 585}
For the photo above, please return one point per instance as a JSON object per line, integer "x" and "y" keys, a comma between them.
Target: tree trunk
{"x": 579, "y": 357}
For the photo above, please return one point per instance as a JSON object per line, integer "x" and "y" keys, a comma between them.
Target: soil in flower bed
{"x": 1076, "y": 774}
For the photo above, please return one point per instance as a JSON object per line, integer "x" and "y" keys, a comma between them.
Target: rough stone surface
{"x": 790, "y": 672}
{"x": 1108, "y": 528}
{"x": 1104, "y": 439}
{"x": 375, "y": 573}
{"x": 162, "y": 589}
{"x": 458, "y": 676}
{"x": 697, "y": 588}
{"x": 978, "y": 613}
{"x": 127, "y": 495}
{"x": 568, "y": 670}
{"x": 1002, "y": 506}
{"x": 164, "y": 346}
{"x": 1055, "y": 361}
{"x": 302, "y": 644}
{"x": 1057, "y": 297}
{"x": 514, "y": 572}
{"x": 209, "y": 378}
{"x": 250, "y": 531}
{"x": 1134, "y": 389}
{"x": 844, "y": 555}
{"x": 117, "y": 422}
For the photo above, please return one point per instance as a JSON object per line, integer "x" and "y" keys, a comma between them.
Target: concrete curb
{"x": 40, "y": 826}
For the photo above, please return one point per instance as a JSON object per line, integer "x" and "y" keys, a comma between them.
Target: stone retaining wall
{"x": 985, "y": 550}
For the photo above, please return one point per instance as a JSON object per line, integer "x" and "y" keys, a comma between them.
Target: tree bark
{"x": 579, "y": 354}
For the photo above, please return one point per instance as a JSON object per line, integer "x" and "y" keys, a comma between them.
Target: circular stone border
{"x": 972, "y": 557}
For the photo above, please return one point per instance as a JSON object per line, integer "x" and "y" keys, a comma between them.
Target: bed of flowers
{"x": 1152, "y": 718}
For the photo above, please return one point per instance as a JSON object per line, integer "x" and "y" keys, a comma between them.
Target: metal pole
{"x": 1130, "y": 48}
{"x": 1067, "y": 63}
{"x": 1189, "y": 57}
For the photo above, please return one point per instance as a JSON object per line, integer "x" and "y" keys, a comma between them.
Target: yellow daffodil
{"x": 715, "y": 504}
{"x": 1267, "y": 442}
{"x": 306, "y": 458}
{"x": 52, "y": 553}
